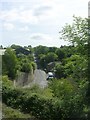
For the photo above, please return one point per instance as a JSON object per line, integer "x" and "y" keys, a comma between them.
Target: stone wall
{"x": 24, "y": 78}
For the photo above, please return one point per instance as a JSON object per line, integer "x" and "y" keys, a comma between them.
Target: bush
{"x": 10, "y": 113}
{"x": 59, "y": 71}
{"x": 66, "y": 103}
{"x": 61, "y": 88}
{"x": 26, "y": 67}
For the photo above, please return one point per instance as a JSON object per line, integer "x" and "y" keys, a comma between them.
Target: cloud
{"x": 24, "y": 16}
{"x": 48, "y": 11}
{"x": 25, "y": 28}
{"x": 46, "y": 40}
{"x": 42, "y": 10}
{"x": 41, "y": 39}
{"x": 9, "y": 15}
{"x": 8, "y": 26}
{"x": 40, "y": 36}
{"x": 32, "y": 15}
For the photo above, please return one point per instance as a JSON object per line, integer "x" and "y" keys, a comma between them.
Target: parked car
{"x": 50, "y": 75}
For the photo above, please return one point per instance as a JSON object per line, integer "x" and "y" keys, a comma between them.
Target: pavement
{"x": 39, "y": 79}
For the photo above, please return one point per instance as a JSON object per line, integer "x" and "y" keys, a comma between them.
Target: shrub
{"x": 62, "y": 105}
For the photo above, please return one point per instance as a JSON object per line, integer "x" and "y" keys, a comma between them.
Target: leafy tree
{"x": 9, "y": 63}
{"x": 77, "y": 33}
{"x": 42, "y": 60}
{"x": 62, "y": 88}
{"x": 76, "y": 66}
{"x": 41, "y": 50}
{"x": 22, "y": 50}
{"x": 52, "y": 49}
{"x": 30, "y": 57}
{"x": 25, "y": 65}
{"x": 51, "y": 57}
{"x": 60, "y": 54}
{"x": 33, "y": 65}
{"x": 68, "y": 50}
{"x": 13, "y": 46}
{"x": 59, "y": 71}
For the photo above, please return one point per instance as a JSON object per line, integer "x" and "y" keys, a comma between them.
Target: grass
{"x": 8, "y": 112}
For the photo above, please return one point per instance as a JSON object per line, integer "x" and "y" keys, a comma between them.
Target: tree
{"x": 41, "y": 50}
{"x": 51, "y": 57}
{"x": 25, "y": 64}
{"x": 9, "y": 63}
{"x": 61, "y": 88}
{"x": 26, "y": 67}
{"x": 42, "y": 61}
{"x": 60, "y": 54}
{"x": 77, "y": 33}
{"x": 52, "y": 49}
{"x": 76, "y": 66}
{"x": 59, "y": 71}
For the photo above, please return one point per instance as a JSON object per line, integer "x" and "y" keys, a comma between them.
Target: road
{"x": 39, "y": 79}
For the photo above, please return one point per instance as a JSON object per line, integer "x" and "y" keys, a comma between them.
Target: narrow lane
{"x": 39, "y": 79}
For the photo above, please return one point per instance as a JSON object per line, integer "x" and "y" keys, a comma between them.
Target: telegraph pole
{"x": 89, "y": 9}
{"x": 88, "y": 92}
{"x": 89, "y": 46}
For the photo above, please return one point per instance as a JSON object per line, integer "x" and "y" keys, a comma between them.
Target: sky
{"x": 37, "y": 22}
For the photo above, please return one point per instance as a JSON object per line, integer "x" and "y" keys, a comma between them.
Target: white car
{"x": 50, "y": 75}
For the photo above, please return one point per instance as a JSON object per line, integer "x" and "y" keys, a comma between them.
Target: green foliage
{"x": 9, "y": 63}
{"x": 22, "y": 50}
{"x": 51, "y": 57}
{"x": 77, "y": 33}
{"x": 26, "y": 67}
{"x": 60, "y": 53}
{"x": 33, "y": 65}
{"x": 30, "y": 57}
{"x": 6, "y": 82}
{"x": 68, "y": 50}
{"x": 59, "y": 70}
{"x": 26, "y": 63}
{"x": 44, "y": 59}
{"x": 52, "y": 49}
{"x": 61, "y": 88}
{"x": 10, "y": 113}
{"x": 60, "y": 101}
{"x": 76, "y": 66}
{"x": 41, "y": 50}
{"x": 45, "y": 55}
{"x": 13, "y": 46}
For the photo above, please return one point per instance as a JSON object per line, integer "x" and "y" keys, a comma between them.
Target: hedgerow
{"x": 43, "y": 108}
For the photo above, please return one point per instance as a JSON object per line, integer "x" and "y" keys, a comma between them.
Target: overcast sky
{"x": 37, "y": 22}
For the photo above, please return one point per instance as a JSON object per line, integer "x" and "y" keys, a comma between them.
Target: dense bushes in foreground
{"x": 10, "y": 113}
{"x": 43, "y": 108}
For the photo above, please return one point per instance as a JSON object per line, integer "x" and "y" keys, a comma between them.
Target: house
{"x": 2, "y": 51}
